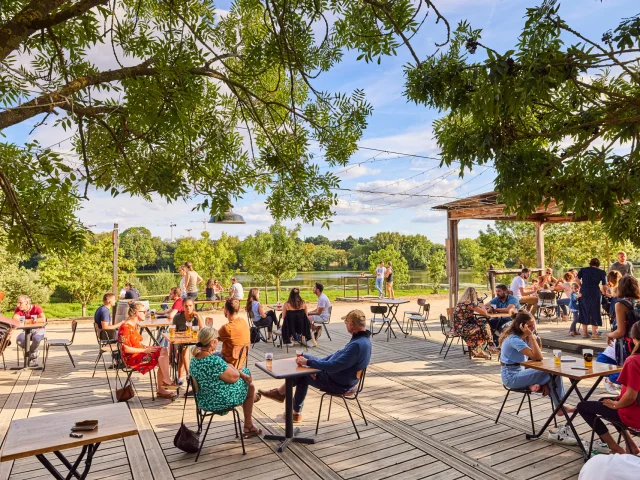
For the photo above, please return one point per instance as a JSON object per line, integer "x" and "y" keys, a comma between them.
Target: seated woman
{"x": 295, "y": 319}
{"x": 565, "y": 287}
{"x": 141, "y": 358}
{"x": 518, "y": 344}
{"x": 609, "y": 294}
{"x": 623, "y": 409}
{"x": 474, "y": 331}
{"x": 260, "y": 317}
{"x": 222, "y": 386}
{"x": 210, "y": 289}
{"x": 190, "y": 317}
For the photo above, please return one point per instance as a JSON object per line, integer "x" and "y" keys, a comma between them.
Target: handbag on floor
{"x": 186, "y": 439}
{"x": 125, "y": 393}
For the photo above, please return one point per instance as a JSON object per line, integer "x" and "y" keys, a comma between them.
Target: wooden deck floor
{"x": 427, "y": 418}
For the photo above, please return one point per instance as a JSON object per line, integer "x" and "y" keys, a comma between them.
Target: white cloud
{"x": 416, "y": 140}
{"x": 357, "y": 171}
{"x": 352, "y": 220}
{"x": 432, "y": 216}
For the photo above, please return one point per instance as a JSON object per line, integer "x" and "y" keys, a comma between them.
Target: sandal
{"x": 573, "y": 334}
{"x": 170, "y": 386}
{"x": 252, "y": 432}
{"x": 483, "y": 356}
{"x": 257, "y": 397}
{"x": 168, "y": 396}
{"x": 596, "y": 337}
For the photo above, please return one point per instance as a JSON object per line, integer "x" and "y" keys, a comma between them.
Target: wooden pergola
{"x": 487, "y": 207}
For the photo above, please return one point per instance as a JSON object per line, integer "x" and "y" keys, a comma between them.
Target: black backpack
{"x": 624, "y": 345}
{"x": 254, "y": 335}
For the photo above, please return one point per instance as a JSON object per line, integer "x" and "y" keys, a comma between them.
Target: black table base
{"x": 569, "y": 418}
{"x": 290, "y": 432}
{"x": 27, "y": 347}
{"x": 88, "y": 450}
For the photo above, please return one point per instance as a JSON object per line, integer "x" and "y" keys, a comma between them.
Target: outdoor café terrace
{"x": 427, "y": 417}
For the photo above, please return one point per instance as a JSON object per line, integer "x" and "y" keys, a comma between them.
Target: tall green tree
{"x": 210, "y": 258}
{"x": 138, "y": 246}
{"x": 184, "y": 87}
{"x": 398, "y": 262}
{"x": 558, "y": 116}
{"x": 273, "y": 256}
{"x": 436, "y": 266}
{"x": 468, "y": 253}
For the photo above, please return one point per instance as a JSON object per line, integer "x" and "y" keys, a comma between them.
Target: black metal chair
{"x": 382, "y": 321}
{"x": 105, "y": 345}
{"x": 261, "y": 330}
{"x": 128, "y": 371}
{"x": 449, "y": 336}
{"x": 61, "y": 342}
{"x": 620, "y": 427}
{"x": 351, "y": 396}
{"x": 324, "y": 323}
{"x": 526, "y": 393}
{"x": 420, "y": 319}
{"x": 421, "y": 303}
{"x": 5, "y": 340}
{"x": 202, "y": 414}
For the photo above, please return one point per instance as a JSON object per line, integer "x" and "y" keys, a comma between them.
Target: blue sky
{"x": 395, "y": 126}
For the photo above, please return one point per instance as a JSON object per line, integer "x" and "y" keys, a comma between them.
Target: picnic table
{"x": 27, "y": 327}
{"x": 201, "y": 303}
{"x": 358, "y": 278}
{"x": 573, "y": 371}
{"x": 287, "y": 369}
{"x": 393, "y": 304}
{"x": 35, "y": 436}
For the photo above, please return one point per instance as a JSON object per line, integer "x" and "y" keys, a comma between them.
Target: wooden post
{"x": 452, "y": 260}
{"x": 540, "y": 243}
{"x": 266, "y": 293}
{"x": 492, "y": 280}
{"x": 114, "y": 238}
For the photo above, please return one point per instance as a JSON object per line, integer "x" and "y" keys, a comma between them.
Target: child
{"x": 573, "y": 308}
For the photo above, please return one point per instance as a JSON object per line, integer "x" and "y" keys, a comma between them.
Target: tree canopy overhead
{"x": 180, "y": 99}
{"x": 558, "y": 115}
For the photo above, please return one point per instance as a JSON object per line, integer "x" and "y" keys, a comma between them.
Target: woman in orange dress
{"x": 140, "y": 357}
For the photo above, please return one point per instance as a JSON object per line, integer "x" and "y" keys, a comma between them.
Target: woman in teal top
{"x": 221, "y": 385}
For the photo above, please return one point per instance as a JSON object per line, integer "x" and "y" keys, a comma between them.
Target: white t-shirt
{"x": 517, "y": 283}
{"x": 238, "y": 291}
{"x": 324, "y": 303}
{"x": 380, "y": 272}
{"x": 612, "y": 467}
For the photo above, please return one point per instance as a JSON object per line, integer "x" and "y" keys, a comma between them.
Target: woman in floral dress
{"x": 474, "y": 331}
{"x": 222, "y": 386}
{"x": 140, "y": 357}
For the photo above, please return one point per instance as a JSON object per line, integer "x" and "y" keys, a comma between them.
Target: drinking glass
{"x": 194, "y": 330}
{"x": 299, "y": 353}
{"x": 188, "y": 330}
{"x": 557, "y": 357}
{"x": 21, "y": 320}
{"x": 172, "y": 331}
{"x": 587, "y": 353}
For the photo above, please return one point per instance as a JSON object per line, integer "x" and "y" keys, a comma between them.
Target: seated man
{"x": 321, "y": 313}
{"x": 502, "y": 303}
{"x": 30, "y": 312}
{"x": 339, "y": 370}
{"x": 131, "y": 292}
{"x": 236, "y": 290}
{"x": 234, "y": 335}
{"x": 175, "y": 295}
{"x": 102, "y": 318}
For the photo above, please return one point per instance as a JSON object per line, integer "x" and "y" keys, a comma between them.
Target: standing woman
{"x": 260, "y": 317}
{"x": 474, "y": 331}
{"x": 182, "y": 270}
{"x": 610, "y": 292}
{"x": 295, "y": 318}
{"x": 589, "y": 280}
{"x": 191, "y": 281}
{"x": 140, "y": 357}
{"x": 388, "y": 275}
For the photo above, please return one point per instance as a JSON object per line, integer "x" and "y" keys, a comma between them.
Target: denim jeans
{"x": 379, "y": 285}
{"x": 576, "y": 319}
{"x": 321, "y": 382}
{"x": 519, "y": 377}
{"x": 36, "y": 338}
{"x": 563, "y": 304}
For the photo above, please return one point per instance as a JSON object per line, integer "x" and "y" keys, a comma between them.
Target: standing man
{"x": 30, "y": 312}
{"x": 622, "y": 265}
{"x": 380, "y": 278}
{"x": 102, "y": 318}
{"x": 523, "y": 292}
{"x": 321, "y": 314}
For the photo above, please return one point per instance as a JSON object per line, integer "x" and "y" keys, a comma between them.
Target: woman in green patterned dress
{"x": 221, "y": 385}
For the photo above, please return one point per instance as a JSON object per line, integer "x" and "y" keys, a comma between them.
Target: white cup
{"x": 21, "y": 320}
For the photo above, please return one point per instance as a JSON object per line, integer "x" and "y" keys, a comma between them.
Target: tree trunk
{"x": 84, "y": 309}
{"x": 277, "y": 289}
{"x": 266, "y": 293}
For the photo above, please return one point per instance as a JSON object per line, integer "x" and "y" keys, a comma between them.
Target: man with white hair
{"x": 34, "y": 313}
{"x": 338, "y": 370}
{"x": 622, "y": 265}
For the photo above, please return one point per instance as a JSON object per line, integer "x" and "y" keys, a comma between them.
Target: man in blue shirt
{"x": 102, "y": 318}
{"x": 502, "y": 303}
{"x": 338, "y": 370}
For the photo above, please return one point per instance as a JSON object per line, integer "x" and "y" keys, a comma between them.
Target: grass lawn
{"x": 71, "y": 310}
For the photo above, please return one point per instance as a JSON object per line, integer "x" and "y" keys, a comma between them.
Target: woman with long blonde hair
{"x": 475, "y": 331}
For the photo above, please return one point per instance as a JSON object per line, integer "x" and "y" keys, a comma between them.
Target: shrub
{"x": 399, "y": 264}
{"x": 18, "y": 281}
{"x": 160, "y": 283}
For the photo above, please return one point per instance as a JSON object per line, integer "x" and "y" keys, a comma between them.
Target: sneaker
{"x": 180, "y": 381}
{"x": 598, "y": 447}
{"x": 33, "y": 363}
{"x": 563, "y": 435}
{"x": 611, "y": 387}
